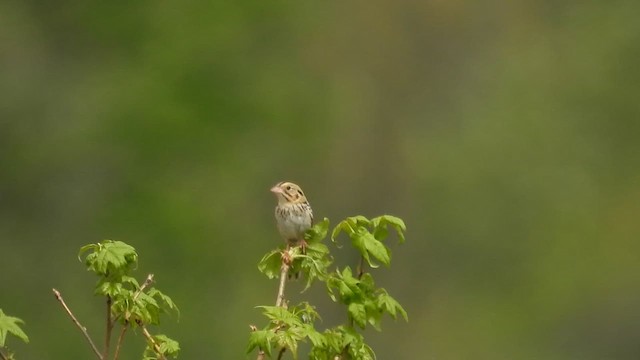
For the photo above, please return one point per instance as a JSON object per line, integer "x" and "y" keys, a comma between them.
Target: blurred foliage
{"x": 506, "y": 135}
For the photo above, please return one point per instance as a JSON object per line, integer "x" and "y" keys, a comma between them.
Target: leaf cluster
{"x": 131, "y": 304}
{"x": 367, "y": 236}
{"x": 364, "y": 302}
{"x": 287, "y": 327}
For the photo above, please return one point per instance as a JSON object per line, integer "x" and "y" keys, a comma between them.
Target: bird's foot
{"x": 303, "y": 246}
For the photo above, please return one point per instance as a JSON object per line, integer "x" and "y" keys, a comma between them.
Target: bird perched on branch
{"x": 293, "y": 213}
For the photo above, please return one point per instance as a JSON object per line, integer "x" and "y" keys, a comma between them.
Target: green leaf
{"x": 358, "y": 313}
{"x": 131, "y": 280}
{"x": 167, "y": 345}
{"x": 270, "y": 264}
{"x": 380, "y": 232}
{"x": 278, "y": 314}
{"x": 306, "y": 312}
{"x": 314, "y": 264}
{"x": 367, "y": 283}
{"x": 373, "y": 314}
{"x": 316, "y": 338}
{"x": 109, "y": 256}
{"x": 317, "y": 250}
{"x": 290, "y": 341}
{"x": 318, "y": 232}
{"x": 358, "y": 220}
{"x": 358, "y": 241}
{"x": 108, "y": 288}
{"x": 261, "y": 339}
{"x": 390, "y": 305}
{"x": 87, "y": 248}
{"x": 11, "y": 325}
{"x": 342, "y": 226}
{"x": 375, "y": 248}
{"x": 355, "y": 345}
{"x": 395, "y": 222}
{"x": 164, "y": 299}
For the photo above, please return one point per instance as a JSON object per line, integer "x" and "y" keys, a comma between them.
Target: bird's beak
{"x": 276, "y": 190}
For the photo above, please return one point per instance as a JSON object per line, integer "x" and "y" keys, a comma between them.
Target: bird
{"x": 293, "y": 214}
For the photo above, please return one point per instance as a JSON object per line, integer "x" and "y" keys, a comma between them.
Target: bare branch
{"x": 120, "y": 339}
{"x": 281, "y": 353}
{"x": 75, "y": 321}
{"x": 361, "y": 266}
{"x": 148, "y": 281}
{"x": 107, "y": 336}
{"x": 3, "y": 356}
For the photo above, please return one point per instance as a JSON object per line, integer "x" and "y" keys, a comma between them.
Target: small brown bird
{"x": 293, "y": 213}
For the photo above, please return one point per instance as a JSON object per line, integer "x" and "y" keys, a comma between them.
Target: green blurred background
{"x": 504, "y": 134}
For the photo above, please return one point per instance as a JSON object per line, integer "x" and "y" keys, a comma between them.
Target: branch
{"x": 361, "y": 266}
{"x": 148, "y": 281}
{"x": 284, "y": 271}
{"x": 283, "y": 280}
{"x": 120, "y": 339}
{"x": 82, "y": 328}
{"x": 3, "y": 356}
{"x": 107, "y": 337}
{"x": 156, "y": 347}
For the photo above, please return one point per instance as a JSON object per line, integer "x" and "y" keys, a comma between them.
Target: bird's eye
{"x": 288, "y": 187}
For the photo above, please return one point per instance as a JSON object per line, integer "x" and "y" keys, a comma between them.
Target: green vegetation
{"x": 10, "y": 325}
{"x": 129, "y": 304}
{"x": 364, "y": 303}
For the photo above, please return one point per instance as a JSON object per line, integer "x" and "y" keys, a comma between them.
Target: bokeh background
{"x": 505, "y": 134}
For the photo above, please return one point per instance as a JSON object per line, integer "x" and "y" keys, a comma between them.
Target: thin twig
{"x": 283, "y": 280}
{"x": 284, "y": 271}
{"x": 281, "y": 353}
{"x": 82, "y": 328}
{"x": 3, "y": 356}
{"x": 155, "y": 345}
{"x": 120, "y": 339}
{"x": 361, "y": 266}
{"x": 148, "y": 281}
{"x": 107, "y": 336}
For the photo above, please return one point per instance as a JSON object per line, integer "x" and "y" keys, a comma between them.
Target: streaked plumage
{"x": 293, "y": 213}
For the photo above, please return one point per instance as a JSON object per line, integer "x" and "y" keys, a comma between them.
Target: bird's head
{"x": 288, "y": 193}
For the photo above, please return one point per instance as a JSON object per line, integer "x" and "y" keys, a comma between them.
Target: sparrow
{"x": 293, "y": 213}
